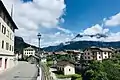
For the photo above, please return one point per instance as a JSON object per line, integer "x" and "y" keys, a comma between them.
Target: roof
{"x": 99, "y": 49}
{"x": 73, "y": 51}
{"x": 63, "y": 63}
{"x": 7, "y": 14}
{"x": 61, "y": 52}
{"x": 29, "y": 48}
{"x": 105, "y": 49}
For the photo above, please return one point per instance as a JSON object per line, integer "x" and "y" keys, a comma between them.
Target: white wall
{"x": 28, "y": 53}
{"x": 99, "y": 55}
{"x": 105, "y": 55}
{"x": 66, "y": 70}
{"x": 6, "y": 39}
{"x": 10, "y": 63}
{"x": 9, "y": 38}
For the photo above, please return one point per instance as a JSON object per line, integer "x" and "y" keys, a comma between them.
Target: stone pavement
{"x": 23, "y": 71}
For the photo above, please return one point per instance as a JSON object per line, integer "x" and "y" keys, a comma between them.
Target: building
{"x": 95, "y": 53}
{"x": 33, "y": 59}
{"x": 29, "y": 51}
{"x": 60, "y": 53}
{"x": 75, "y": 54}
{"x": 66, "y": 67}
{"x": 117, "y": 50}
{"x": 7, "y": 29}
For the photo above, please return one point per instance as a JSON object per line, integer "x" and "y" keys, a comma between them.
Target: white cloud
{"x": 99, "y": 29}
{"x": 64, "y": 30}
{"x": 113, "y": 37}
{"x": 56, "y": 38}
{"x": 113, "y": 21}
{"x": 30, "y": 17}
{"x": 95, "y": 29}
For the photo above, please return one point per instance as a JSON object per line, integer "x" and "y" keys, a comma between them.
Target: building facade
{"x": 7, "y": 29}
{"x": 66, "y": 67}
{"x": 95, "y": 53}
{"x": 29, "y": 51}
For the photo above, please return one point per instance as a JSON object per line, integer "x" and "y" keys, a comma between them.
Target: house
{"x": 117, "y": 50}
{"x": 95, "y": 53}
{"x": 7, "y": 30}
{"x": 60, "y": 53}
{"x": 43, "y": 59}
{"x": 66, "y": 67}
{"x": 75, "y": 54}
{"x": 33, "y": 59}
{"x": 29, "y": 51}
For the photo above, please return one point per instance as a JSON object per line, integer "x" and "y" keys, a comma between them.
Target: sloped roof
{"x": 7, "y": 14}
{"x": 63, "y": 63}
{"x": 61, "y": 52}
{"x": 105, "y": 49}
{"x": 29, "y": 48}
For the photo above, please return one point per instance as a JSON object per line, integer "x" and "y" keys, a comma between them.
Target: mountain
{"x": 20, "y": 44}
{"x": 53, "y": 48}
{"x": 82, "y": 45}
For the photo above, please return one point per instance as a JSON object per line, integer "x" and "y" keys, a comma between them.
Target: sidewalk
{"x": 23, "y": 71}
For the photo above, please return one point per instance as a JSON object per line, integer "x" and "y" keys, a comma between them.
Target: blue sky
{"x": 81, "y": 14}
{"x": 61, "y": 20}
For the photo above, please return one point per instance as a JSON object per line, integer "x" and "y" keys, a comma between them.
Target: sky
{"x": 59, "y": 21}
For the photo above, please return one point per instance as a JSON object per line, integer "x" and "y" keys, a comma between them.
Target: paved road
{"x": 23, "y": 71}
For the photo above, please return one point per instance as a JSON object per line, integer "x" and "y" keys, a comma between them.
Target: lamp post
{"x": 39, "y": 37}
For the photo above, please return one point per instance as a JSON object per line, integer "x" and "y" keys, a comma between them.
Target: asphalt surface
{"x": 23, "y": 71}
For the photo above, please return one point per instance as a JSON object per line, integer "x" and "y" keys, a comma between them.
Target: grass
{"x": 46, "y": 70}
{"x": 74, "y": 76}
{"x": 49, "y": 63}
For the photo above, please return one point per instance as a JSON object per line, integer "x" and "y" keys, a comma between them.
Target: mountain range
{"x": 72, "y": 45}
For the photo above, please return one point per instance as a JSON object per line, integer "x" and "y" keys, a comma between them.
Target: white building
{"x": 29, "y": 51}
{"x": 66, "y": 67}
{"x": 95, "y": 53}
{"x": 7, "y": 29}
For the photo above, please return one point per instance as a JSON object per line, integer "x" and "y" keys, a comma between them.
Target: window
{"x": 7, "y": 33}
{"x": 10, "y": 35}
{"x": 85, "y": 57}
{"x": 105, "y": 56}
{"x": 93, "y": 53}
{"x": 0, "y": 26}
{"x": 88, "y": 53}
{"x": 7, "y": 46}
{"x": 10, "y": 47}
{"x": 88, "y": 57}
{"x": 3, "y": 29}
{"x": 99, "y": 56}
{"x": 0, "y": 62}
{"x": 105, "y": 53}
{"x": 69, "y": 69}
{"x": 2, "y": 44}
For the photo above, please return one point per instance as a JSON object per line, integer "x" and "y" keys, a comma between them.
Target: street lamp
{"x": 39, "y": 37}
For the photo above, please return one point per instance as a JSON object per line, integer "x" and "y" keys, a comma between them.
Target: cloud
{"x": 99, "y": 29}
{"x": 113, "y": 37}
{"x": 113, "y": 21}
{"x": 64, "y": 30}
{"x": 56, "y": 38}
{"x": 95, "y": 29}
{"x": 31, "y": 17}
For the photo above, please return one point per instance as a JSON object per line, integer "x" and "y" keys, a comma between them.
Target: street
{"x": 23, "y": 71}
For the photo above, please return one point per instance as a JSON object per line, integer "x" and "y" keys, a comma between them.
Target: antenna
{"x": 12, "y": 11}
